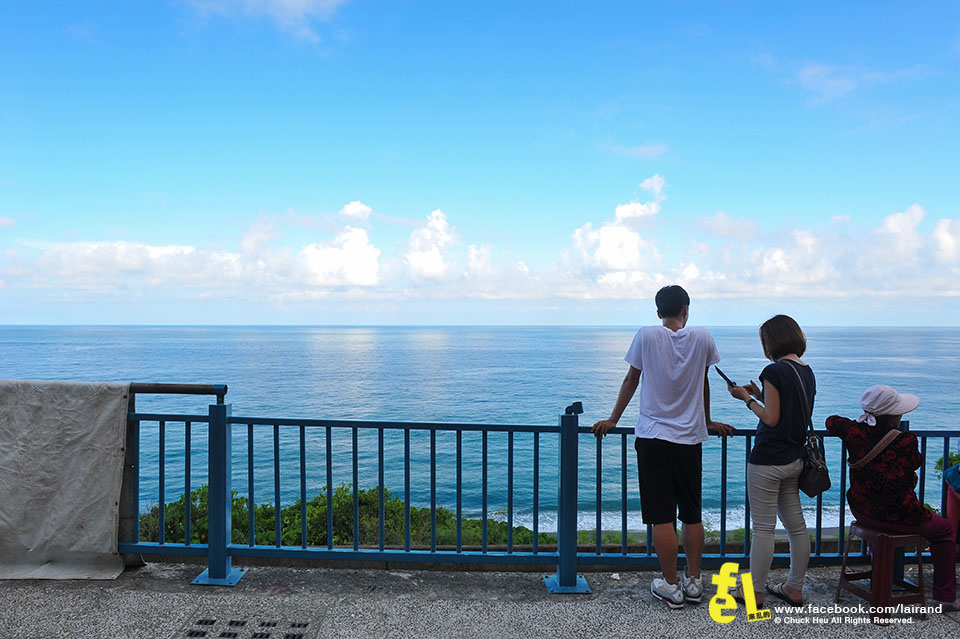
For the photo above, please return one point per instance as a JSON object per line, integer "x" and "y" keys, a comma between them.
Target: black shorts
{"x": 670, "y": 479}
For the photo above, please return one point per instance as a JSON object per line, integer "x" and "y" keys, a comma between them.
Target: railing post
{"x": 219, "y": 570}
{"x": 566, "y": 579}
{"x": 129, "y": 527}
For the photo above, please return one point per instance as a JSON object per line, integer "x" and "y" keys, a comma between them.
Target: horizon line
{"x": 132, "y": 325}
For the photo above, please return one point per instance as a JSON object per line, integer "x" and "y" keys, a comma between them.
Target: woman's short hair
{"x": 781, "y": 335}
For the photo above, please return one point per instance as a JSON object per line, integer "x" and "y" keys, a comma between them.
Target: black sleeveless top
{"x": 781, "y": 444}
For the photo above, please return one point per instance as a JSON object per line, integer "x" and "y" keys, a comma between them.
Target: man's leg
{"x": 665, "y": 543}
{"x": 658, "y": 503}
{"x": 693, "y": 538}
{"x": 687, "y": 465}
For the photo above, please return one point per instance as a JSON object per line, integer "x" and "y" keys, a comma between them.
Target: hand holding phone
{"x": 726, "y": 379}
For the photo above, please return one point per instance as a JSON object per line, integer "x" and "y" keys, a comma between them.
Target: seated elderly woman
{"x": 881, "y": 494}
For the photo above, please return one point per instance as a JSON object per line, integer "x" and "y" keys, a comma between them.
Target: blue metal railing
{"x": 219, "y": 548}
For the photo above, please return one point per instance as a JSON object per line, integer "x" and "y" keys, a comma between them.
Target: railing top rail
{"x": 343, "y": 423}
{"x": 219, "y": 390}
{"x": 167, "y": 417}
{"x": 444, "y": 426}
{"x": 743, "y": 432}
{"x": 936, "y": 433}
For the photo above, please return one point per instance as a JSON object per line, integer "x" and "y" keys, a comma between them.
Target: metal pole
{"x": 566, "y": 579}
{"x": 219, "y": 570}
{"x": 129, "y": 528}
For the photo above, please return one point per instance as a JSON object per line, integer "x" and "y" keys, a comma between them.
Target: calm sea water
{"x": 513, "y": 375}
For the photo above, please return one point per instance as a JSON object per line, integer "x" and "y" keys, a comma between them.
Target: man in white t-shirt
{"x": 674, "y": 420}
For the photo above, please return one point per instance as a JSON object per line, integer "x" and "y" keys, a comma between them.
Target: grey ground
{"x": 158, "y": 601}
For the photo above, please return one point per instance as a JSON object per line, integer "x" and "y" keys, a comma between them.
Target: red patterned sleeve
{"x": 911, "y": 451}
{"x": 837, "y": 425}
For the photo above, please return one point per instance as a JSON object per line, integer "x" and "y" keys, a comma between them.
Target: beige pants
{"x": 774, "y": 492}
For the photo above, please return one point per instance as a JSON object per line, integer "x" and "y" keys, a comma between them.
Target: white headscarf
{"x": 883, "y": 400}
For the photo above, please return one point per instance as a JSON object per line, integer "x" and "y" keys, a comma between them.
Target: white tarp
{"x": 61, "y": 465}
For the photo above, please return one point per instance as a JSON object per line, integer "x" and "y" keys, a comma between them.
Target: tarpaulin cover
{"x": 61, "y": 465}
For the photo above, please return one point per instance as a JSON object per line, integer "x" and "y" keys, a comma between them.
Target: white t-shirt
{"x": 672, "y": 364}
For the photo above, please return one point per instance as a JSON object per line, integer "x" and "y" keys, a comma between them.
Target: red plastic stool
{"x": 881, "y": 573}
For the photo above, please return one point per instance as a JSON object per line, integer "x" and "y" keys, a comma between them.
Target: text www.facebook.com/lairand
{"x": 808, "y": 614}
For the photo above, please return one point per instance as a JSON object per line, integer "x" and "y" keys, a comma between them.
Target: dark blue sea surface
{"x": 508, "y": 375}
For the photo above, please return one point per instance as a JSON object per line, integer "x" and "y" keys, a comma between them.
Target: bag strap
{"x": 876, "y": 450}
{"x": 803, "y": 391}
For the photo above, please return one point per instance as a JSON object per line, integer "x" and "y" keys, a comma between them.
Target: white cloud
{"x": 258, "y": 235}
{"x": 109, "y": 266}
{"x": 356, "y": 210}
{"x": 722, "y": 225}
{"x": 613, "y": 247}
{"x": 116, "y": 267}
{"x": 946, "y": 239}
{"x": 294, "y": 16}
{"x": 292, "y": 218}
{"x": 786, "y": 269}
{"x": 636, "y": 210}
{"x": 655, "y": 185}
{"x": 613, "y": 255}
{"x": 287, "y": 11}
{"x": 838, "y": 260}
{"x": 700, "y": 250}
{"x": 428, "y": 247}
{"x": 828, "y": 82}
{"x": 806, "y": 240}
{"x": 642, "y": 211}
{"x": 478, "y": 260}
{"x": 690, "y": 272}
{"x": 348, "y": 260}
{"x": 765, "y": 60}
{"x": 610, "y": 259}
{"x": 626, "y": 282}
{"x": 644, "y": 151}
{"x": 7, "y": 222}
{"x": 898, "y": 234}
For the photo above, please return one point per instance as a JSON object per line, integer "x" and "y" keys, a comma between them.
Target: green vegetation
{"x": 712, "y": 534}
{"x": 954, "y": 460}
{"x": 607, "y": 538}
{"x": 264, "y": 516}
{"x": 369, "y": 511}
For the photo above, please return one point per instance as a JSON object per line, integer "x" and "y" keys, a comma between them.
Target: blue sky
{"x": 357, "y": 162}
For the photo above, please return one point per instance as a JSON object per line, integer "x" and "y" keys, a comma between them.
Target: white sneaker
{"x": 672, "y": 595}
{"x": 692, "y": 588}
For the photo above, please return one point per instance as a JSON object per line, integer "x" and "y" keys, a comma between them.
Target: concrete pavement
{"x": 303, "y": 603}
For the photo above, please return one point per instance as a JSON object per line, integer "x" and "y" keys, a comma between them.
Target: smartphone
{"x": 726, "y": 379}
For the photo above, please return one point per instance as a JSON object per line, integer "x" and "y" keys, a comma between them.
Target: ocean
{"x": 509, "y": 375}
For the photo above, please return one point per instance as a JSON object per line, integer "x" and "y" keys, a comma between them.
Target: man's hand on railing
{"x": 721, "y": 429}
{"x": 604, "y": 426}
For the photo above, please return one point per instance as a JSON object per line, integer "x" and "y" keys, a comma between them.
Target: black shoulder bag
{"x": 814, "y": 478}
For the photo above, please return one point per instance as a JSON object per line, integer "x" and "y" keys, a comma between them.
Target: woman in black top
{"x": 775, "y": 463}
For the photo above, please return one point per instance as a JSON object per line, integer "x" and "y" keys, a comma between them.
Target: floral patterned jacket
{"x": 884, "y": 488}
